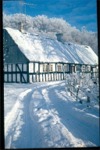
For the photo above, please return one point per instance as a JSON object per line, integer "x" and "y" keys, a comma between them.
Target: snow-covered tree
{"x": 51, "y": 26}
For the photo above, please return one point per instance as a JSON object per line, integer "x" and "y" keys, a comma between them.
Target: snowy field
{"x": 43, "y": 115}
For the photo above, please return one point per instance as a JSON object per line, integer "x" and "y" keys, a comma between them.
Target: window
{"x": 51, "y": 68}
{"x": 45, "y": 67}
{"x": 73, "y": 68}
{"x": 9, "y": 67}
{"x": 5, "y": 67}
{"x": 78, "y": 68}
{"x": 65, "y": 68}
{"x": 83, "y": 68}
{"x": 59, "y": 68}
{"x": 88, "y": 68}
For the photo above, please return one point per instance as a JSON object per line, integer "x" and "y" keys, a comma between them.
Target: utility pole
{"x": 22, "y": 6}
{"x": 21, "y": 3}
{"x": 26, "y": 4}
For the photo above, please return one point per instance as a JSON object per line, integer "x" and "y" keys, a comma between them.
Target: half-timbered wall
{"x": 45, "y": 71}
{"x": 16, "y": 73}
{"x": 41, "y": 72}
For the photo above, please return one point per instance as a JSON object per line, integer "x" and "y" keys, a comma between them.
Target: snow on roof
{"x": 39, "y": 48}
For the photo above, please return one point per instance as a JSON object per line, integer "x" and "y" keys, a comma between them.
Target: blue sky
{"x": 76, "y": 12}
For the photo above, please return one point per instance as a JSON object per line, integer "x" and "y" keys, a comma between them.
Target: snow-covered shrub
{"x": 77, "y": 90}
{"x": 82, "y": 88}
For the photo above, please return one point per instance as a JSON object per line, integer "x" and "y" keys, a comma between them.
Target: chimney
{"x": 59, "y": 37}
{"x": 20, "y": 26}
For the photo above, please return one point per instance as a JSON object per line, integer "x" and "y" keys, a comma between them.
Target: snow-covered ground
{"x": 43, "y": 115}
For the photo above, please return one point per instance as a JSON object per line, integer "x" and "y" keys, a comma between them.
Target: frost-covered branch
{"x": 51, "y": 26}
{"x": 82, "y": 88}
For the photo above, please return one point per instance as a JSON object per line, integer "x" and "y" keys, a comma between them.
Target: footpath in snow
{"x": 43, "y": 115}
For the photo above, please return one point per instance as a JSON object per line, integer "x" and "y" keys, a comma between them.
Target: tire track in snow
{"x": 66, "y": 138}
{"x": 44, "y": 118}
{"x": 43, "y": 124}
{"x": 75, "y": 122}
{"x": 17, "y": 120}
{"x": 37, "y": 106}
{"x": 55, "y": 132}
{"x": 19, "y": 128}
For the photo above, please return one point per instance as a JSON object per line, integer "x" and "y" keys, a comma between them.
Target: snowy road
{"x": 44, "y": 115}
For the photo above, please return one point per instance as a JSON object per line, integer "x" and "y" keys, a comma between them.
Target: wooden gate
{"x": 16, "y": 73}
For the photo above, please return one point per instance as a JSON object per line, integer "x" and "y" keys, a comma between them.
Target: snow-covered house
{"x": 34, "y": 58}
